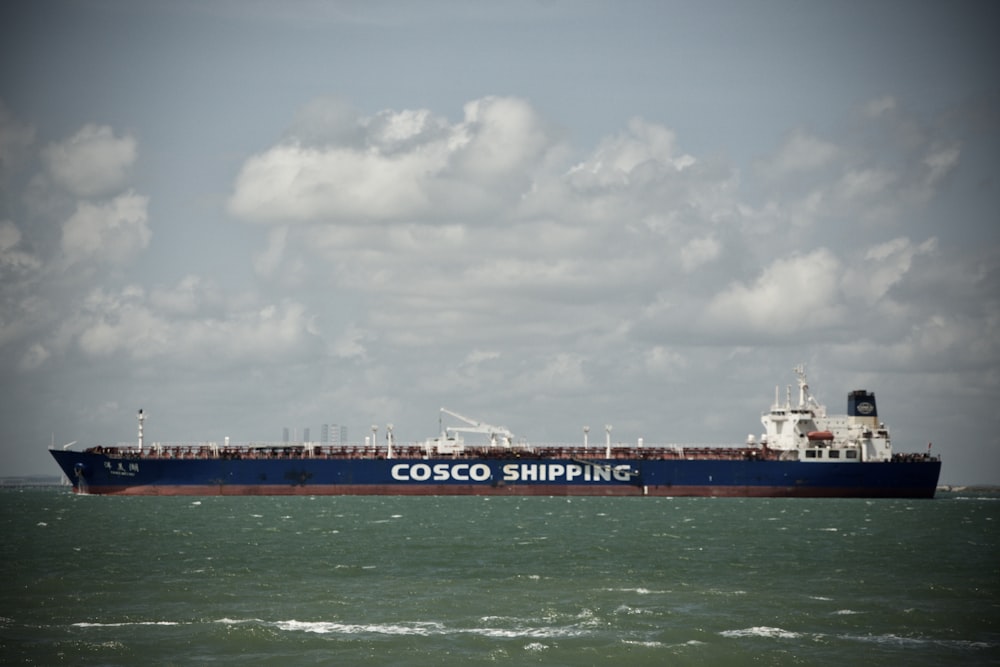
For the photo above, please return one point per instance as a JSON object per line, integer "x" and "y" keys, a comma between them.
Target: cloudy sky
{"x": 244, "y": 216}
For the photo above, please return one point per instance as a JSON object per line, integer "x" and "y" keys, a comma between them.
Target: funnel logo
{"x": 865, "y": 408}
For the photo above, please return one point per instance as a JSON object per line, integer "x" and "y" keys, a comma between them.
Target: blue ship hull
{"x": 101, "y": 473}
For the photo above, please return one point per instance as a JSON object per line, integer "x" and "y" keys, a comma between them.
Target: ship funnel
{"x": 861, "y": 408}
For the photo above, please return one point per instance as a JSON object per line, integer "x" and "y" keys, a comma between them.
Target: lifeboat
{"x": 819, "y": 435}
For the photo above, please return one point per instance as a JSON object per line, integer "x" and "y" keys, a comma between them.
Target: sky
{"x": 243, "y": 217}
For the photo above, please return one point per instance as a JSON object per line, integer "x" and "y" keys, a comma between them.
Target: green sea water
{"x": 91, "y": 580}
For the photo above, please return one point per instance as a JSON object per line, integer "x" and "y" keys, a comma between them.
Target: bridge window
{"x": 834, "y": 453}
{"x": 813, "y": 454}
{"x": 851, "y": 453}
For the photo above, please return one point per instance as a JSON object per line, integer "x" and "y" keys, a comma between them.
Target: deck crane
{"x": 499, "y": 435}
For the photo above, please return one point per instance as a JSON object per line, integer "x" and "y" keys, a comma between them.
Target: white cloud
{"x": 112, "y": 231}
{"x": 122, "y": 324}
{"x": 883, "y": 265}
{"x": 940, "y": 162}
{"x": 880, "y": 182}
{"x": 476, "y": 357}
{"x": 295, "y": 183}
{"x": 801, "y": 152}
{"x": 351, "y": 343}
{"x": 646, "y": 218}
{"x": 36, "y": 355}
{"x": 647, "y": 150}
{"x": 91, "y": 163}
{"x": 21, "y": 307}
{"x": 11, "y": 256}
{"x": 791, "y": 297}
{"x": 328, "y": 121}
{"x": 410, "y": 166}
{"x": 559, "y": 372}
{"x": 267, "y": 262}
{"x": 193, "y": 295}
{"x": 855, "y": 186}
{"x": 499, "y": 139}
{"x": 699, "y": 251}
{"x": 880, "y": 106}
{"x": 661, "y": 361}
{"x": 395, "y": 132}
{"x": 128, "y": 323}
{"x": 938, "y": 343}
{"x": 10, "y": 236}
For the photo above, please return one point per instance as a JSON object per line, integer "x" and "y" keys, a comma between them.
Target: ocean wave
{"x": 884, "y": 639}
{"x": 646, "y": 644}
{"x": 87, "y": 624}
{"x": 240, "y": 621}
{"x": 922, "y": 642}
{"x": 418, "y": 629}
{"x": 329, "y": 627}
{"x": 515, "y": 633}
{"x": 658, "y": 644}
{"x": 630, "y": 611}
{"x": 762, "y": 631}
{"x": 639, "y": 591}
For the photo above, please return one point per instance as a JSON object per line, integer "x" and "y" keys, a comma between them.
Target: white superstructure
{"x": 805, "y": 432}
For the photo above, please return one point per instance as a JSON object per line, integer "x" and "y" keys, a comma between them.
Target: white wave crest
{"x": 762, "y": 631}
{"x": 328, "y": 627}
{"x": 426, "y": 629}
{"x": 85, "y": 624}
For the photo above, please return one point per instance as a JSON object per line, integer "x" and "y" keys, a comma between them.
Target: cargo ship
{"x": 802, "y": 452}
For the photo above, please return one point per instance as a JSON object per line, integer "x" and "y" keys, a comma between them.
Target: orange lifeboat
{"x": 819, "y": 435}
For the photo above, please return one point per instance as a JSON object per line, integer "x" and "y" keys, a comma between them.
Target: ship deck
{"x": 420, "y": 452}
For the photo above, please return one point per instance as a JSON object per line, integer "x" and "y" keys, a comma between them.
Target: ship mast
{"x": 805, "y": 397}
{"x": 142, "y": 417}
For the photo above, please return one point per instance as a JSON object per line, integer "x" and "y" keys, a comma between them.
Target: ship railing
{"x": 632, "y": 450}
{"x": 914, "y": 457}
{"x": 283, "y": 450}
{"x": 618, "y": 451}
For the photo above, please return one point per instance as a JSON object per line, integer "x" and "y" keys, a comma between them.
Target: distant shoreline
{"x": 31, "y": 480}
{"x": 977, "y": 488}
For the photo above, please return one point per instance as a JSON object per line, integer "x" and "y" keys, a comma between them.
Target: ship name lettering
{"x": 441, "y": 472}
{"x": 510, "y": 472}
{"x": 559, "y": 472}
{"x": 122, "y": 469}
